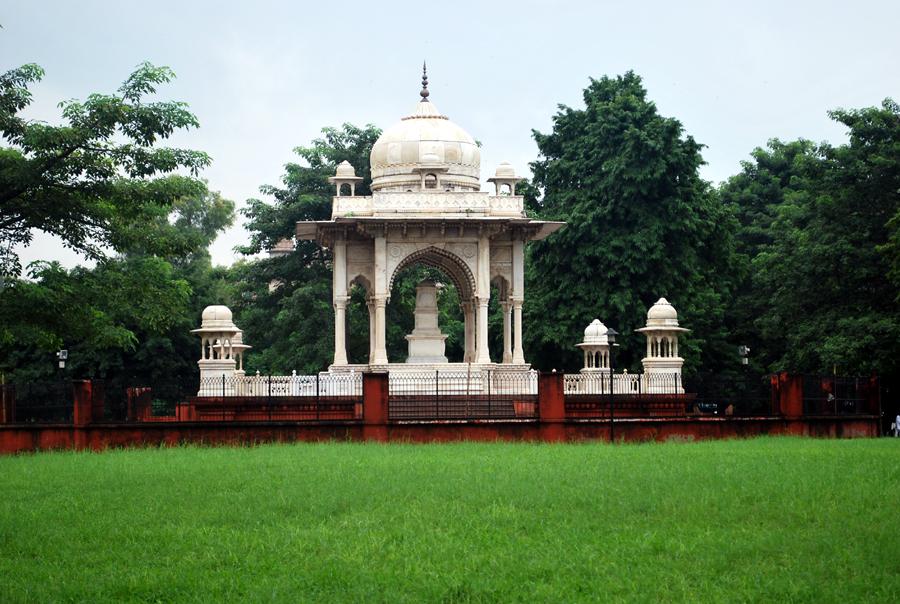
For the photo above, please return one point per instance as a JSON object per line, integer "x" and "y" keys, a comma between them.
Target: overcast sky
{"x": 265, "y": 77}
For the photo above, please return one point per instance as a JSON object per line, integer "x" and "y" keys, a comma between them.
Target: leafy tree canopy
{"x": 90, "y": 180}
{"x": 284, "y": 303}
{"x": 820, "y": 295}
{"x": 641, "y": 224}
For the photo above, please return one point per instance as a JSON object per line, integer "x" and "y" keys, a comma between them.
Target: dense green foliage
{"x": 93, "y": 179}
{"x": 756, "y": 520}
{"x": 102, "y": 184}
{"x": 283, "y": 303}
{"x": 130, "y": 316}
{"x": 816, "y": 232}
{"x": 797, "y": 256}
{"x": 641, "y": 224}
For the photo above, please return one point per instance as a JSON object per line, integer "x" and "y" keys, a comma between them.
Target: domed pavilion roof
{"x": 422, "y": 141}
{"x": 595, "y": 334}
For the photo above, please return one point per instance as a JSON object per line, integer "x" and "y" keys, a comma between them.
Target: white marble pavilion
{"x": 427, "y": 208}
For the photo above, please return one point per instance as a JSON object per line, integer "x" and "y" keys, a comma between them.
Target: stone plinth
{"x": 426, "y": 342}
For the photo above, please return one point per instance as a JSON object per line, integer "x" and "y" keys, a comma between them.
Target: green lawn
{"x": 765, "y": 519}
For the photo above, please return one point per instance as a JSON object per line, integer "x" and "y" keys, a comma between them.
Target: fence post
{"x": 98, "y": 400}
{"x": 489, "y": 394}
{"x": 436, "y": 392}
{"x": 551, "y": 406}
{"x": 790, "y": 394}
{"x": 317, "y": 397}
{"x": 375, "y": 406}
{"x": 7, "y": 404}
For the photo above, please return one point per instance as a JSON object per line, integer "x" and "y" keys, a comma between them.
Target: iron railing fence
{"x": 37, "y": 403}
{"x": 321, "y": 397}
{"x": 133, "y": 400}
{"x": 462, "y": 395}
{"x": 276, "y": 409}
{"x": 834, "y": 395}
{"x": 734, "y": 395}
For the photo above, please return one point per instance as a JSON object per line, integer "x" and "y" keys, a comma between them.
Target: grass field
{"x": 764, "y": 519}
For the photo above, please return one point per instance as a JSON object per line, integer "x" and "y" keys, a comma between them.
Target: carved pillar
{"x": 380, "y": 346}
{"x": 507, "y": 332}
{"x": 482, "y": 354}
{"x": 370, "y": 304}
{"x": 482, "y": 296}
{"x": 518, "y": 296}
{"x": 380, "y": 297}
{"x": 518, "y": 351}
{"x": 339, "y": 298}
{"x": 468, "y": 331}
{"x": 340, "y": 338}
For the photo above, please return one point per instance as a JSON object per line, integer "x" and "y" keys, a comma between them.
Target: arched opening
{"x": 431, "y": 181}
{"x": 500, "y": 326}
{"x": 344, "y": 190}
{"x": 359, "y": 322}
{"x": 455, "y": 309}
{"x": 402, "y": 306}
{"x": 505, "y": 189}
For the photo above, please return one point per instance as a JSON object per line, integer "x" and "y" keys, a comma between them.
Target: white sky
{"x": 265, "y": 77}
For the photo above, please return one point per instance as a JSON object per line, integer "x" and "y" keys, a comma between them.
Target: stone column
{"x": 482, "y": 354}
{"x": 380, "y": 345}
{"x": 339, "y": 297}
{"x": 380, "y": 298}
{"x": 468, "y": 331}
{"x": 340, "y": 338}
{"x": 507, "y": 332}
{"x": 370, "y": 304}
{"x": 518, "y": 351}
{"x": 518, "y": 296}
{"x": 482, "y": 296}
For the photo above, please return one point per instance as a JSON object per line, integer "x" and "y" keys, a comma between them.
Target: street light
{"x": 611, "y": 340}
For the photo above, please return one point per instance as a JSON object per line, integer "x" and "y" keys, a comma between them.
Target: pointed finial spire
{"x": 424, "y": 93}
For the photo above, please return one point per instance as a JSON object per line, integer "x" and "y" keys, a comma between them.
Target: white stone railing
{"x": 476, "y": 382}
{"x": 427, "y": 203}
{"x": 623, "y": 383}
{"x": 323, "y": 384}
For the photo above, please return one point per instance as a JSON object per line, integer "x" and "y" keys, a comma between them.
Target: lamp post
{"x": 611, "y": 340}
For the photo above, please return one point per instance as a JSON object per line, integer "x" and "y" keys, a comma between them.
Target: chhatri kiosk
{"x": 427, "y": 208}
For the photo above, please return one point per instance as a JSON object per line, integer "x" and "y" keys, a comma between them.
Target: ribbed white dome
{"x": 425, "y": 139}
{"x": 345, "y": 169}
{"x": 216, "y": 318}
{"x": 505, "y": 170}
{"x": 595, "y": 334}
{"x": 217, "y": 314}
{"x": 662, "y": 313}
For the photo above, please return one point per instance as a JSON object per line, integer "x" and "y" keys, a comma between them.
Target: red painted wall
{"x": 14, "y": 439}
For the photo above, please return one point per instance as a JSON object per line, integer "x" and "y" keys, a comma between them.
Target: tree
{"x": 777, "y": 175}
{"x": 283, "y": 302}
{"x": 130, "y": 316}
{"x": 826, "y": 274}
{"x": 92, "y": 179}
{"x": 641, "y": 224}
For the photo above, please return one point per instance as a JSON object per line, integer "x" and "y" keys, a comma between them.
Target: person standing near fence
{"x": 897, "y": 426}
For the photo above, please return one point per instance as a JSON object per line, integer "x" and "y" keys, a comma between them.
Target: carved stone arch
{"x": 451, "y": 264}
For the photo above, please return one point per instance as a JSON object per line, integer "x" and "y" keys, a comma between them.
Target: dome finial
{"x": 424, "y": 93}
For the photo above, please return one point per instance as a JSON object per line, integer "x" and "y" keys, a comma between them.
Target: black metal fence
{"x": 37, "y": 402}
{"x": 463, "y": 395}
{"x": 743, "y": 395}
{"x": 834, "y": 395}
